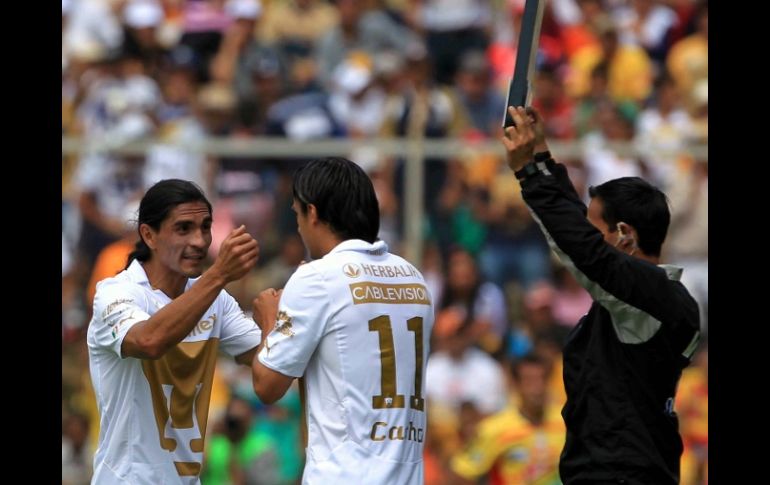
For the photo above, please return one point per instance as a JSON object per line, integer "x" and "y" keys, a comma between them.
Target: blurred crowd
{"x": 610, "y": 74}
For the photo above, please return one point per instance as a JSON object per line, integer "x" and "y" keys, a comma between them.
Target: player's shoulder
{"x": 114, "y": 297}
{"x": 127, "y": 287}
{"x": 308, "y": 273}
{"x": 338, "y": 264}
{"x": 121, "y": 282}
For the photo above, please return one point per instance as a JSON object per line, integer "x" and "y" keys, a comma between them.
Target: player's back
{"x": 365, "y": 381}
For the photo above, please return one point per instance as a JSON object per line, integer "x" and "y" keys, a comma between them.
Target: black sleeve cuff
{"x": 533, "y": 168}
{"x": 543, "y": 156}
{"x": 527, "y": 170}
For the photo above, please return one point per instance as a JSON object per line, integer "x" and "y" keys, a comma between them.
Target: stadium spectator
{"x": 240, "y": 453}
{"x": 521, "y": 444}
{"x": 76, "y": 455}
{"x": 692, "y": 405}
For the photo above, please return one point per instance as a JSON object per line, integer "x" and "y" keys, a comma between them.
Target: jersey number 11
{"x": 389, "y": 398}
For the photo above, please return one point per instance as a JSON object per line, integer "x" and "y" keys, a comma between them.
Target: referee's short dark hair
{"x": 343, "y": 196}
{"x": 638, "y": 203}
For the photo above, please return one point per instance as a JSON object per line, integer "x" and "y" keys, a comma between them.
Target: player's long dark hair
{"x": 343, "y": 196}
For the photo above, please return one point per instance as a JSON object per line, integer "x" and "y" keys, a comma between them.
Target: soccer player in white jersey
{"x": 154, "y": 337}
{"x": 355, "y": 325}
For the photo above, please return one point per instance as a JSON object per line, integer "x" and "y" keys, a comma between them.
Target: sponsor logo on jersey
{"x": 387, "y": 271}
{"x": 116, "y": 326}
{"x": 283, "y": 324}
{"x": 203, "y": 326}
{"x": 111, "y": 319}
{"x": 370, "y": 292}
{"x": 352, "y": 270}
{"x": 382, "y": 431}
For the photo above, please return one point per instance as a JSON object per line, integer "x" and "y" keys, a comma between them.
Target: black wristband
{"x": 526, "y": 171}
{"x": 543, "y": 156}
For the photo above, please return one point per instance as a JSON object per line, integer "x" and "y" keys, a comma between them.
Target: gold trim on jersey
{"x": 186, "y": 469}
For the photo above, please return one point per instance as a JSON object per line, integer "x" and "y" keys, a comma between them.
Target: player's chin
{"x": 191, "y": 267}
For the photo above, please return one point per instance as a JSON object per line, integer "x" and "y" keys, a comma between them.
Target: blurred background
{"x": 235, "y": 94}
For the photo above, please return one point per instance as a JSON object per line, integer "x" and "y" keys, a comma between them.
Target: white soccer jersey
{"x": 356, "y": 324}
{"x": 154, "y": 412}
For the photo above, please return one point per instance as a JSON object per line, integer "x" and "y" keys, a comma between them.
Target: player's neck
{"x": 327, "y": 241}
{"x": 160, "y": 278}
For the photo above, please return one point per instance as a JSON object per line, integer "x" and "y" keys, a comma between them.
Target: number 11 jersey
{"x": 356, "y": 326}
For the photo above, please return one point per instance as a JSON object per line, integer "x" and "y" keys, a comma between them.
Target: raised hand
{"x": 519, "y": 140}
{"x": 238, "y": 253}
{"x": 265, "y": 308}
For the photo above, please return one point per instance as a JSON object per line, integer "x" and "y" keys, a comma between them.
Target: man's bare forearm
{"x": 172, "y": 323}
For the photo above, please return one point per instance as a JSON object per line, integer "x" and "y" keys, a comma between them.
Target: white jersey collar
{"x": 137, "y": 274}
{"x": 377, "y": 248}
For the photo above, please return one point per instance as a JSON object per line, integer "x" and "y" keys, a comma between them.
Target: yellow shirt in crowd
{"x": 512, "y": 451}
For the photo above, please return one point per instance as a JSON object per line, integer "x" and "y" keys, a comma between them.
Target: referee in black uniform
{"x": 624, "y": 358}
